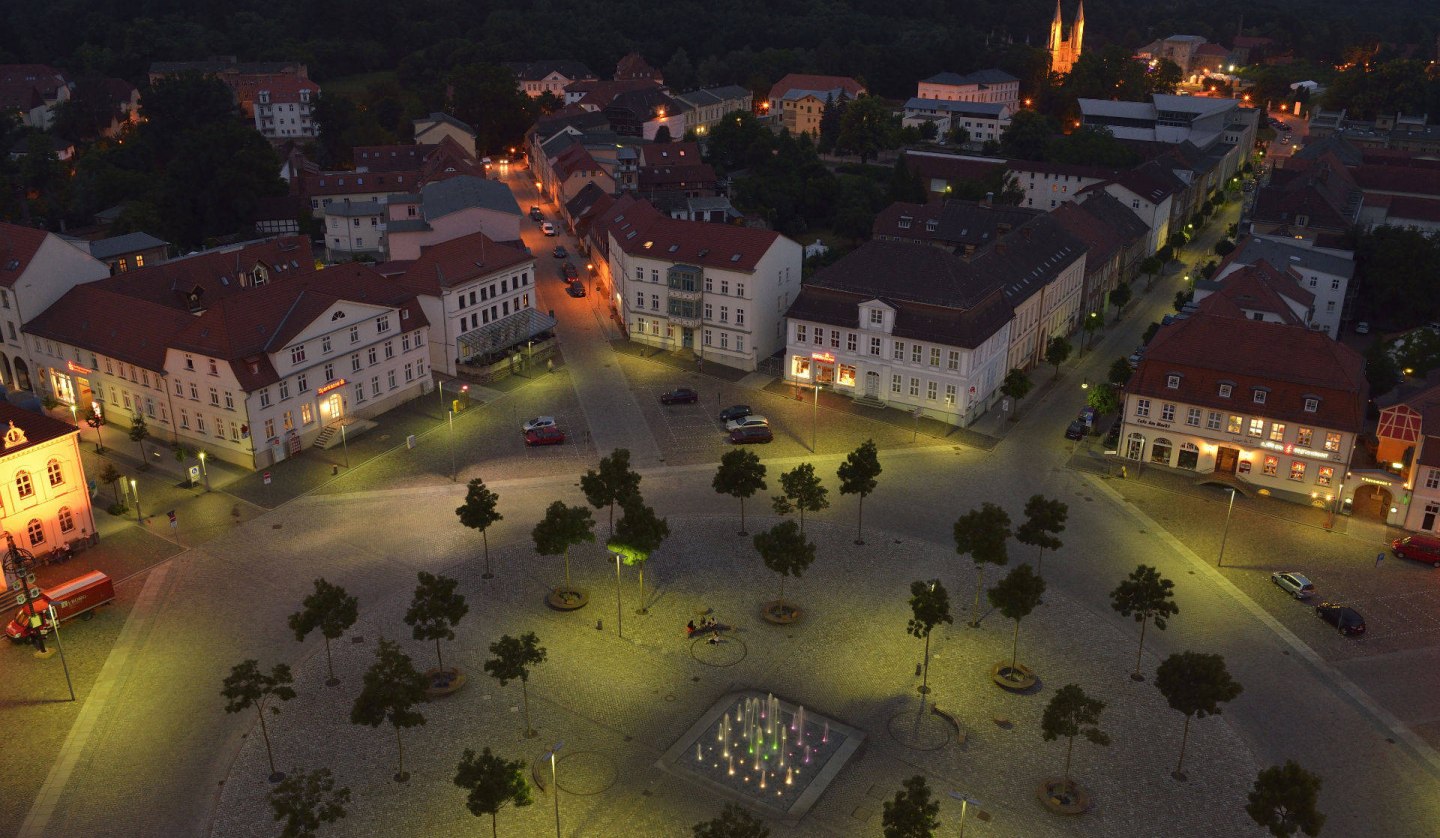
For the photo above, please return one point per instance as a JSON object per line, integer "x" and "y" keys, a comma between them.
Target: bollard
{"x": 917, "y": 670}
{"x": 599, "y": 625}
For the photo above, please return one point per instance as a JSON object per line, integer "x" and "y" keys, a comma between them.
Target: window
{"x": 1257, "y": 427}
{"x": 950, "y": 395}
{"x": 284, "y": 390}
{"x": 67, "y": 520}
{"x": 1272, "y": 465}
{"x": 1334, "y": 285}
{"x": 1297, "y": 470}
{"x": 359, "y": 391}
{"x": 1167, "y": 412}
{"x": 265, "y": 397}
{"x": 835, "y": 339}
{"x": 1432, "y": 478}
{"x": 953, "y": 362}
{"x": 36, "y": 531}
{"x": 1259, "y": 395}
{"x": 799, "y": 332}
{"x": 819, "y": 335}
{"x": 739, "y": 317}
{"x": 270, "y": 427}
{"x": 302, "y": 383}
{"x": 390, "y": 379}
{"x": 877, "y": 317}
{"x": 355, "y": 362}
{"x": 1277, "y": 432}
{"x": 184, "y": 419}
{"x": 1160, "y": 451}
{"x": 55, "y": 473}
{"x": 189, "y": 362}
{"x": 724, "y": 314}
{"x": 330, "y": 370}
{"x": 874, "y": 346}
{"x": 389, "y": 349}
{"x": 1302, "y": 437}
{"x": 1233, "y": 425}
{"x": 1142, "y": 407}
{"x": 1212, "y": 421}
{"x": 372, "y": 356}
{"x": 297, "y": 354}
{"x": 307, "y": 414}
{"x": 1225, "y": 391}
{"x": 24, "y": 487}
{"x": 1172, "y": 382}
{"x": 654, "y": 302}
{"x": 1192, "y": 416}
{"x": 915, "y": 387}
{"x": 325, "y": 344}
{"x": 1325, "y": 475}
{"x": 214, "y": 397}
{"x": 934, "y": 356}
{"x": 214, "y": 370}
{"x": 896, "y": 382}
{"x": 739, "y": 289}
{"x": 1332, "y": 442}
{"x": 899, "y": 352}
{"x": 382, "y": 323}
{"x": 850, "y": 342}
{"x": 931, "y": 390}
{"x": 724, "y": 286}
{"x": 915, "y": 351}
{"x": 1189, "y": 457}
{"x": 1312, "y": 405}
{"x": 354, "y": 334}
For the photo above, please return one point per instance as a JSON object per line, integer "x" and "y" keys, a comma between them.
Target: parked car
{"x": 750, "y": 421}
{"x": 570, "y": 272}
{"x": 1133, "y": 360}
{"x": 680, "y": 395}
{"x": 1362, "y": 328}
{"x": 560, "y": 252}
{"x": 538, "y": 422}
{"x": 1112, "y": 437}
{"x": 575, "y": 289}
{"x": 1420, "y": 548}
{"x": 752, "y": 434}
{"x": 549, "y": 435}
{"x": 548, "y": 229}
{"x": 1293, "y": 583}
{"x": 1077, "y": 429}
{"x": 1342, "y": 617}
{"x": 734, "y": 411}
{"x": 535, "y": 214}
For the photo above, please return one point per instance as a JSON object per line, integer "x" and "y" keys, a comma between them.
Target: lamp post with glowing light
{"x": 135, "y": 492}
{"x": 554, "y": 784}
{"x": 205, "y": 472}
{"x": 1220, "y": 560}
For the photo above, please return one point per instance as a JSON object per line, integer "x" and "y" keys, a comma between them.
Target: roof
{"x": 286, "y": 88}
{"x": 1029, "y": 257}
{"x": 950, "y": 166}
{"x": 538, "y": 70}
{"x": 1294, "y": 363}
{"x": 129, "y": 243}
{"x": 803, "y": 81}
{"x": 983, "y": 110}
{"x": 36, "y": 427}
{"x": 1120, "y": 219}
{"x": 391, "y": 158}
{"x": 356, "y": 209}
{"x": 20, "y": 96}
{"x": 213, "y": 275}
{"x": 1101, "y": 242}
{"x": 458, "y": 261}
{"x": 464, "y": 192}
{"x": 358, "y": 183}
{"x": 42, "y": 77}
{"x": 979, "y": 77}
{"x": 436, "y": 119}
{"x": 1261, "y": 287}
{"x": 18, "y": 246}
{"x": 575, "y": 159}
{"x": 639, "y": 229}
{"x": 1253, "y": 249}
{"x": 714, "y": 95}
{"x": 675, "y": 176}
{"x": 1324, "y": 196}
{"x": 1403, "y": 180}
{"x": 634, "y": 66}
{"x": 659, "y": 154}
{"x": 600, "y": 93}
{"x": 110, "y": 322}
{"x": 1406, "y": 208}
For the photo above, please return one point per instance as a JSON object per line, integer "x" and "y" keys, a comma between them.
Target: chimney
{"x": 989, "y": 198}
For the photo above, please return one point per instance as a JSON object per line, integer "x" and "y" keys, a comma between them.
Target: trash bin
{"x": 410, "y": 441}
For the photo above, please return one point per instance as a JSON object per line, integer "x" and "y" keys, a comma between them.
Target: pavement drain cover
{"x": 585, "y": 772}
{"x": 919, "y": 730}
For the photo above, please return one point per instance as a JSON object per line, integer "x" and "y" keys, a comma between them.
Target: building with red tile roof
{"x": 45, "y": 499}
{"x": 634, "y": 66}
{"x": 284, "y": 107}
{"x": 1400, "y": 484}
{"x": 36, "y": 269}
{"x": 1275, "y": 407}
{"x": 1260, "y": 291}
{"x": 32, "y": 91}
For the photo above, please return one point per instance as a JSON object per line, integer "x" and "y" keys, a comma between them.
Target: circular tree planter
{"x": 443, "y": 682}
{"x": 1063, "y": 797}
{"x": 567, "y": 599}
{"x": 1016, "y": 678}
{"x": 780, "y": 612}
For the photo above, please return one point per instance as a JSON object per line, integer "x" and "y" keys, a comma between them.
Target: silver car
{"x": 750, "y": 421}
{"x": 538, "y": 422}
{"x": 1293, "y": 583}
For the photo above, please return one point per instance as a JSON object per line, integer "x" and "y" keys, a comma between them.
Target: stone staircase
{"x": 870, "y": 401}
{"x": 328, "y": 437}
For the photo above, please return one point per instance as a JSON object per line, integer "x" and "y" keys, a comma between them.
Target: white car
{"x": 538, "y": 422}
{"x": 751, "y": 421}
{"x": 547, "y": 228}
{"x": 1293, "y": 583}
{"x": 1362, "y": 328}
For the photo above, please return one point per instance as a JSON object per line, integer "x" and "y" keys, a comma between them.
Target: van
{"x": 1420, "y": 548}
{"x": 80, "y": 596}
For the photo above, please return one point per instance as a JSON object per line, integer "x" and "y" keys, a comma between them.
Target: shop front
{"x": 71, "y": 384}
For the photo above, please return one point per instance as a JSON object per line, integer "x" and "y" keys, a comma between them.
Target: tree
{"x": 905, "y": 182}
{"x": 1195, "y": 684}
{"x": 1104, "y": 398}
{"x": 1057, "y": 351}
{"x": 306, "y": 801}
{"x": 958, "y": 135}
{"x": 487, "y": 98}
{"x": 611, "y": 484}
{"x": 1028, "y": 136}
{"x": 435, "y": 610}
{"x": 857, "y": 477}
{"x": 1017, "y": 386}
{"x": 1120, "y": 372}
{"x": 1148, "y": 597}
{"x": 929, "y": 131}
{"x": 740, "y": 475}
{"x": 138, "y": 434}
{"x": 1224, "y": 247}
{"x": 1283, "y": 801}
{"x": 514, "y": 657}
{"x": 562, "y": 528}
{"x": 1044, "y": 518}
{"x": 662, "y": 135}
{"x": 478, "y": 513}
{"x": 830, "y": 114}
{"x": 867, "y": 127}
{"x": 110, "y": 474}
{"x": 1119, "y": 297}
{"x": 329, "y": 609}
{"x": 912, "y": 814}
{"x": 181, "y": 455}
{"x": 391, "y": 690}
{"x": 1015, "y": 596}
{"x": 929, "y": 607}
{"x": 981, "y": 534}
{"x": 732, "y": 822}
{"x": 96, "y": 420}
{"x": 493, "y": 783}
{"x": 246, "y": 686}
{"x": 785, "y": 551}
{"x": 1092, "y": 324}
{"x": 1072, "y": 713}
{"x": 639, "y": 533}
{"x": 1150, "y": 266}
{"x": 803, "y": 491}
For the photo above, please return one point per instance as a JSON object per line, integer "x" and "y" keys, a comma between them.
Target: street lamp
{"x": 451, "y": 437}
{"x": 619, "y": 626}
{"x": 135, "y": 492}
{"x": 204, "y": 471}
{"x": 554, "y": 784}
{"x": 1220, "y": 560}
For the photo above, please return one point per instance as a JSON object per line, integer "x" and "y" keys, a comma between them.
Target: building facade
{"x": 284, "y": 108}
{"x": 45, "y": 496}
{"x": 991, "y": 86}
{"x": 36, "y": 269}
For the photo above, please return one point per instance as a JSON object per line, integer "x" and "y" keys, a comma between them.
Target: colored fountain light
{"x": 787, "y": 753}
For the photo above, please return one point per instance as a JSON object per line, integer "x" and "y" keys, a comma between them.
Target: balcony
{"x": 691, "y": 294}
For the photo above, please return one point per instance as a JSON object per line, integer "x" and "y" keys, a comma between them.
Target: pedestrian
{"x": 1379, "y": 557}
{"x": 690, "y": 628}
{"x": 714, "y": 637}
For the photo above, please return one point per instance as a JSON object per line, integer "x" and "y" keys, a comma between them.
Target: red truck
{"x": 80, "y": 595}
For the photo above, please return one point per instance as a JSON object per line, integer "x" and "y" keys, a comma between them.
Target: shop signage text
{"x": 339, "y": 382}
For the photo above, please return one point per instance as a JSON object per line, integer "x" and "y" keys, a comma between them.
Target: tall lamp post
{"x": 1220, "y": 560}
{"x": 554, "y": 784}
{"x": 135, "y": 491}
{"x": 619, "y": 627}
{"x": 451, "y": 415}
{"x": 204, "y": 471}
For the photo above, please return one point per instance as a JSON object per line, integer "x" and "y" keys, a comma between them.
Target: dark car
{"x": 734, "y": 411}
{"x": 1077, "y": 430}
{"x": 559, "y": 252}
{"x": 571, "y": 274}
{"x": 680, "y": 395}
{"x": 549, "y": 435}
{"x": 1420, "y": 548}
{"x": 1342, "y": 617}
{"x": 575, "y": 289}
{"x": 535, "y": 214}
{"x": 754, "y": 433}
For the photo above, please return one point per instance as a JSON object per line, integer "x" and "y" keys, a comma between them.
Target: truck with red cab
{"x": 80, "y": 596}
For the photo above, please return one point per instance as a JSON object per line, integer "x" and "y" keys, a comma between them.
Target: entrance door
{"x": 687, "y": 337}
{"x": 337, "y": 406}
{"x": 872, "y": 384}
{"x": 1225, "y": 460}
{"x": 1428, "y": 522}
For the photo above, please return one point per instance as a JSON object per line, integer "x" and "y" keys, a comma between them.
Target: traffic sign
{"x": 267, "y": 478}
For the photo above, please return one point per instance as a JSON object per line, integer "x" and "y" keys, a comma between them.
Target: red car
{"x": 544, "y": 436}
{"x": 680, "y": 395}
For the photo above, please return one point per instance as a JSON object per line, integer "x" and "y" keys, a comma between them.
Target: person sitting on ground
{"x": 690, "y": 627}
{"x": 714, "y": 637}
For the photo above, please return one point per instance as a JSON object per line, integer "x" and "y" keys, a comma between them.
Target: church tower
{"x": 1064, "y": 52}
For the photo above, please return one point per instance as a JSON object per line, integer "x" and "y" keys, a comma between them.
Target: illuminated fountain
{"x": 758, "y": 748}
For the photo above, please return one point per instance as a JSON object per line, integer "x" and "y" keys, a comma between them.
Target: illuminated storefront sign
{"x": 1295, "y": 449}
{"x": 74, "y": 367}
{"x": 334, "y": 385}
{"x": 823, "y": 357}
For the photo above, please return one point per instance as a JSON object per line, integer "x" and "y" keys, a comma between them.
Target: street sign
{"x": 194, "y": 473}
{"x": 267, "y": 478}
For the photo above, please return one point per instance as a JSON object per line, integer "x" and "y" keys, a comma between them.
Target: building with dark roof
{"x": 131, "y": 250}
{"x": 45, "y": 500}
{"x": 992, "y": 86}
{"x": 1325, "y": 275}
{"x": 1400, "y": 483}
{"x": 36, "y": 269}
{"x": 535, "y": 78}
{"x": 1274, "y": 407}
{"x": 710, "y": 105}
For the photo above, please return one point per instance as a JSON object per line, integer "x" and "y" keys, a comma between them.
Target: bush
{"x": 117, "y": 509}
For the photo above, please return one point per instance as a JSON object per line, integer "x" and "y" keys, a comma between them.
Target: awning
{"x": 503, "y": 333}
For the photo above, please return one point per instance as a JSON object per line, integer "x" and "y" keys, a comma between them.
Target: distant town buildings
{"x": 798, "y": 100}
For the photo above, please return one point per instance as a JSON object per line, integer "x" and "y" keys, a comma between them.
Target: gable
{"x": 338, "y": 316}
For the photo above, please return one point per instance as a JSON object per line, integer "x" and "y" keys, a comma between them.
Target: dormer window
{"x": 264, "y": 97}
{"x": 1259, "y": 395}
{"x": 1312, "y": 405}
{"x": 905, "y": 222}
{"x": 1172, "y": 381}
{"x": 877, "y": 317}
{"x": 931, "y": 225}
{"x": 1225, "y": 391}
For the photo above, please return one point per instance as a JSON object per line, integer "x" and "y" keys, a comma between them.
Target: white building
{"x": 716, "y": 290}
{"x": 1048, "y": 185}
{"x": 982, "y": 121}
{"x": 992, "y": 86}
{"x": 1166, "y": 118}
{"x": 902, "y": 324}
{"x": 36, "y": 269}
{"x": 710, "y": 105}
{"x": 355, "y": 229}
{"x": 1324, "y": 273}
{"x": 284, "y": 107}
{"x": 448, "y": 209}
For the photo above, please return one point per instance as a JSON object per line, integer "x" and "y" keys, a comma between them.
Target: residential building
{"x": 1326, "y": 274}
{"x": 32, "y": 92}
{"x": 594, "y": 95}
{"x": 644, "y": 111}
{"x": 45, "y": 500}
{"x": 479, "y": 298}
{"x": 710, "y": 105}
{"x": 941, "y": 171}
{"x": 36, "y": 269}
{"x": 905, "y": 325}
{"x": 437, "y": 126}
{"x": 1399, "y": 482}
{"x": 1048, "y": 185}
{"x": 449, "y": 209}
{"x": 355, "y": 229}
{"x": 995, "y": 87}
{"x": 633, "y": 66}
{"x": 797, "y": 101}
{"x": 1275, "y": 407}
{"x": 962, "y": 227}
{"x": 1179, "y": 49}
{"x": 1303, "y": 203}
{"x": 284, "y": 108}
{"x": 1122, "y": 222}
{"x": 570, "y": 171}
{"x": 1064, "y": 52}
{"x": 982, "y": 121}
{"x": 717, "y": 291}
{"x": 1104, "y": 252}
{"x": 131, "y": 250}
{"x": 245, "y": 79}
{"x": 325, "y": 189}
{"x": 1260, "y": 292}
{"x": 1041, "y": 269}
{"x": 1150, "y": 194}
{"x": 391, "y": 158}
{"x": 534, "y": 78}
